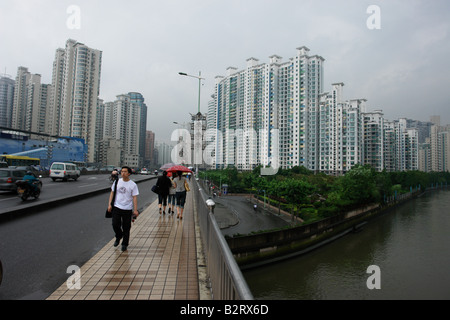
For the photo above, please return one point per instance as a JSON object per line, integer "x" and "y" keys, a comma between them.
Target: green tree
{"x": 358, "y": 185}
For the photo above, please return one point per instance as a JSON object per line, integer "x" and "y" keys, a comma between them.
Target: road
{"x": 37, "y": 249}
{"x": 52, "y": 190}
{"x": 247, "y": 220}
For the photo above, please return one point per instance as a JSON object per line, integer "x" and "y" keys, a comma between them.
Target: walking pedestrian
{"x": 172, "y": 194}
{"x": 180, "y": 194}
{"x": 164, "y": 185}
{"x": 124, "y": 207}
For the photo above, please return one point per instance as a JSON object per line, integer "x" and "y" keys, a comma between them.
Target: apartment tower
{"x": 75, "y": 92}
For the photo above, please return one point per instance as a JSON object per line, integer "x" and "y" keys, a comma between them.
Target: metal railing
{"x": 227, "y": 281}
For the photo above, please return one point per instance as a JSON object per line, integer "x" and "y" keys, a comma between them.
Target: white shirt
{"x": 125, "y": 193}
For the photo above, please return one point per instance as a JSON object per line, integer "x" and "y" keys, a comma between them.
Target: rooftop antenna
{"x": 5, "y": 74}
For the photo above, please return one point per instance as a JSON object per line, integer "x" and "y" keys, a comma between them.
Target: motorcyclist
{"x": 30, "y": 178}
{"x": 114, "y": 175}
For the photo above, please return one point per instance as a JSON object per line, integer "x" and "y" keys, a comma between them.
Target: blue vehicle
{"x": 25, "y": 189}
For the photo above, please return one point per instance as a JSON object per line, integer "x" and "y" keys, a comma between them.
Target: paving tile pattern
{"x": 159, "y": 264}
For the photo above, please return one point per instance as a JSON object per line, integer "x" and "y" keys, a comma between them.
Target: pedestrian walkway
{"x": 161, "y": 263}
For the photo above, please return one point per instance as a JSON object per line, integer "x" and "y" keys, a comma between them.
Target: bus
{"x": 19, "y": 161}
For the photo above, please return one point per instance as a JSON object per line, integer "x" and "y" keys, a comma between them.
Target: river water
{"x": 410, "y": 245}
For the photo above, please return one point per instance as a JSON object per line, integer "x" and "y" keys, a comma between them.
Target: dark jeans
{"x": 171, "y": 199}
{"x": 181, "y": 198}
{"x": 162, "y": 198}
{"x": 121, "y": 222}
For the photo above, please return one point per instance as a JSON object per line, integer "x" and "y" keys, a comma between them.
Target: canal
{"x": 410, "y": 245}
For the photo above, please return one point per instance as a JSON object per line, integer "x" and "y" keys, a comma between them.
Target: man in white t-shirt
{"x": 125, "y": 207}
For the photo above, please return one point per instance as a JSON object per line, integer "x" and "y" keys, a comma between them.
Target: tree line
{"x": 313, "y": 196}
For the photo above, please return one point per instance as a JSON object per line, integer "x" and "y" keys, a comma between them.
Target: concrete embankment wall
{"x": 268, "y": 247}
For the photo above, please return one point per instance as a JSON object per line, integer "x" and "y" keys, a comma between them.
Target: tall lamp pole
{"x": 199, "y": 83}
{"x": 197, "y": 157}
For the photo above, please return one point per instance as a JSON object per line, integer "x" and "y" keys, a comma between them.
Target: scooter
{"x": 25, "y": 190}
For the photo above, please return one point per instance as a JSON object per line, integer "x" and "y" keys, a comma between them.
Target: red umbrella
{"x": 179, "y": 168}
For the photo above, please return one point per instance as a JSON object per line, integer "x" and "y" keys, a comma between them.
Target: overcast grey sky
{"x": 402, "y": 68}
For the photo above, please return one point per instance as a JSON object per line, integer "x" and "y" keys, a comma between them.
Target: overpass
{"x": 168, "y": 259}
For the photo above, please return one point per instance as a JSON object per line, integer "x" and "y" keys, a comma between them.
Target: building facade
{"x": 277, "y": 112}
{"x": 29, "y": 103}
{"x": 138, "y": 99}
{"x": 75, "y": 94}
{"x": 268, "y": 113}
{"x": 149, "y": 157}
{"x": 6, "y": 100}
{"x": 121, "y": 121}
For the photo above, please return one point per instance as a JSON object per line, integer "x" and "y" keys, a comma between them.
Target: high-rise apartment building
{"x": 75, "y": 94}
{"x": 277, "y": 112}
{"x": 18, "y": 118}
{"x": 30, "y": 102}
{"x": 268, "y": 113}
{"x": 164, "y": 153}
{"x": 136, "y": 97}
{"x": 374, "y": 142}
{"x": 401, "y": 146}
{"x": 439, "y": 146}
{"x": 149, "y": 158}
{"x": 341, "y": 130}
{"x": 6, "y": 100}
{"x": 122, "y": 122}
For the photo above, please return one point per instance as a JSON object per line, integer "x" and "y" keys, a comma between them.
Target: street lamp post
{"x": 199, "y": 86}
{"x": 199, "y": 83}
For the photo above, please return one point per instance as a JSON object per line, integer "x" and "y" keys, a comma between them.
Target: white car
{"x": 144, "y": 171}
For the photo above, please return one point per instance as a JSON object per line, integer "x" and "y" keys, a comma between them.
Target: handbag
{"x": 108, "y": 214}
{"x": 155, "y": 189}
{"x": 186, "y": 185}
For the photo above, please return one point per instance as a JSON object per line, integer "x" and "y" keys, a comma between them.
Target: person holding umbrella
{"x": 180, "y": 195}
{"x": 181, "y": 186}
{"x": 172, "y": 193}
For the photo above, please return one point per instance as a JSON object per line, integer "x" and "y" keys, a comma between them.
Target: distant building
{"x": 149, "y": 158}
{"x": 109, "y": 152}
{"x": 341, "y": 127}
{"x": 268, "y": 112}
{"x": 30, "y": 102}
{"x": 277, "y": 112}
{"x": 138, "y": 98}
{"x": 6, "y": 100}
{"x": 122, "y": 122}
{"x": 164, "y": 153}
{"x": 75, "y": 93}
{"x": 439, "y": 146}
